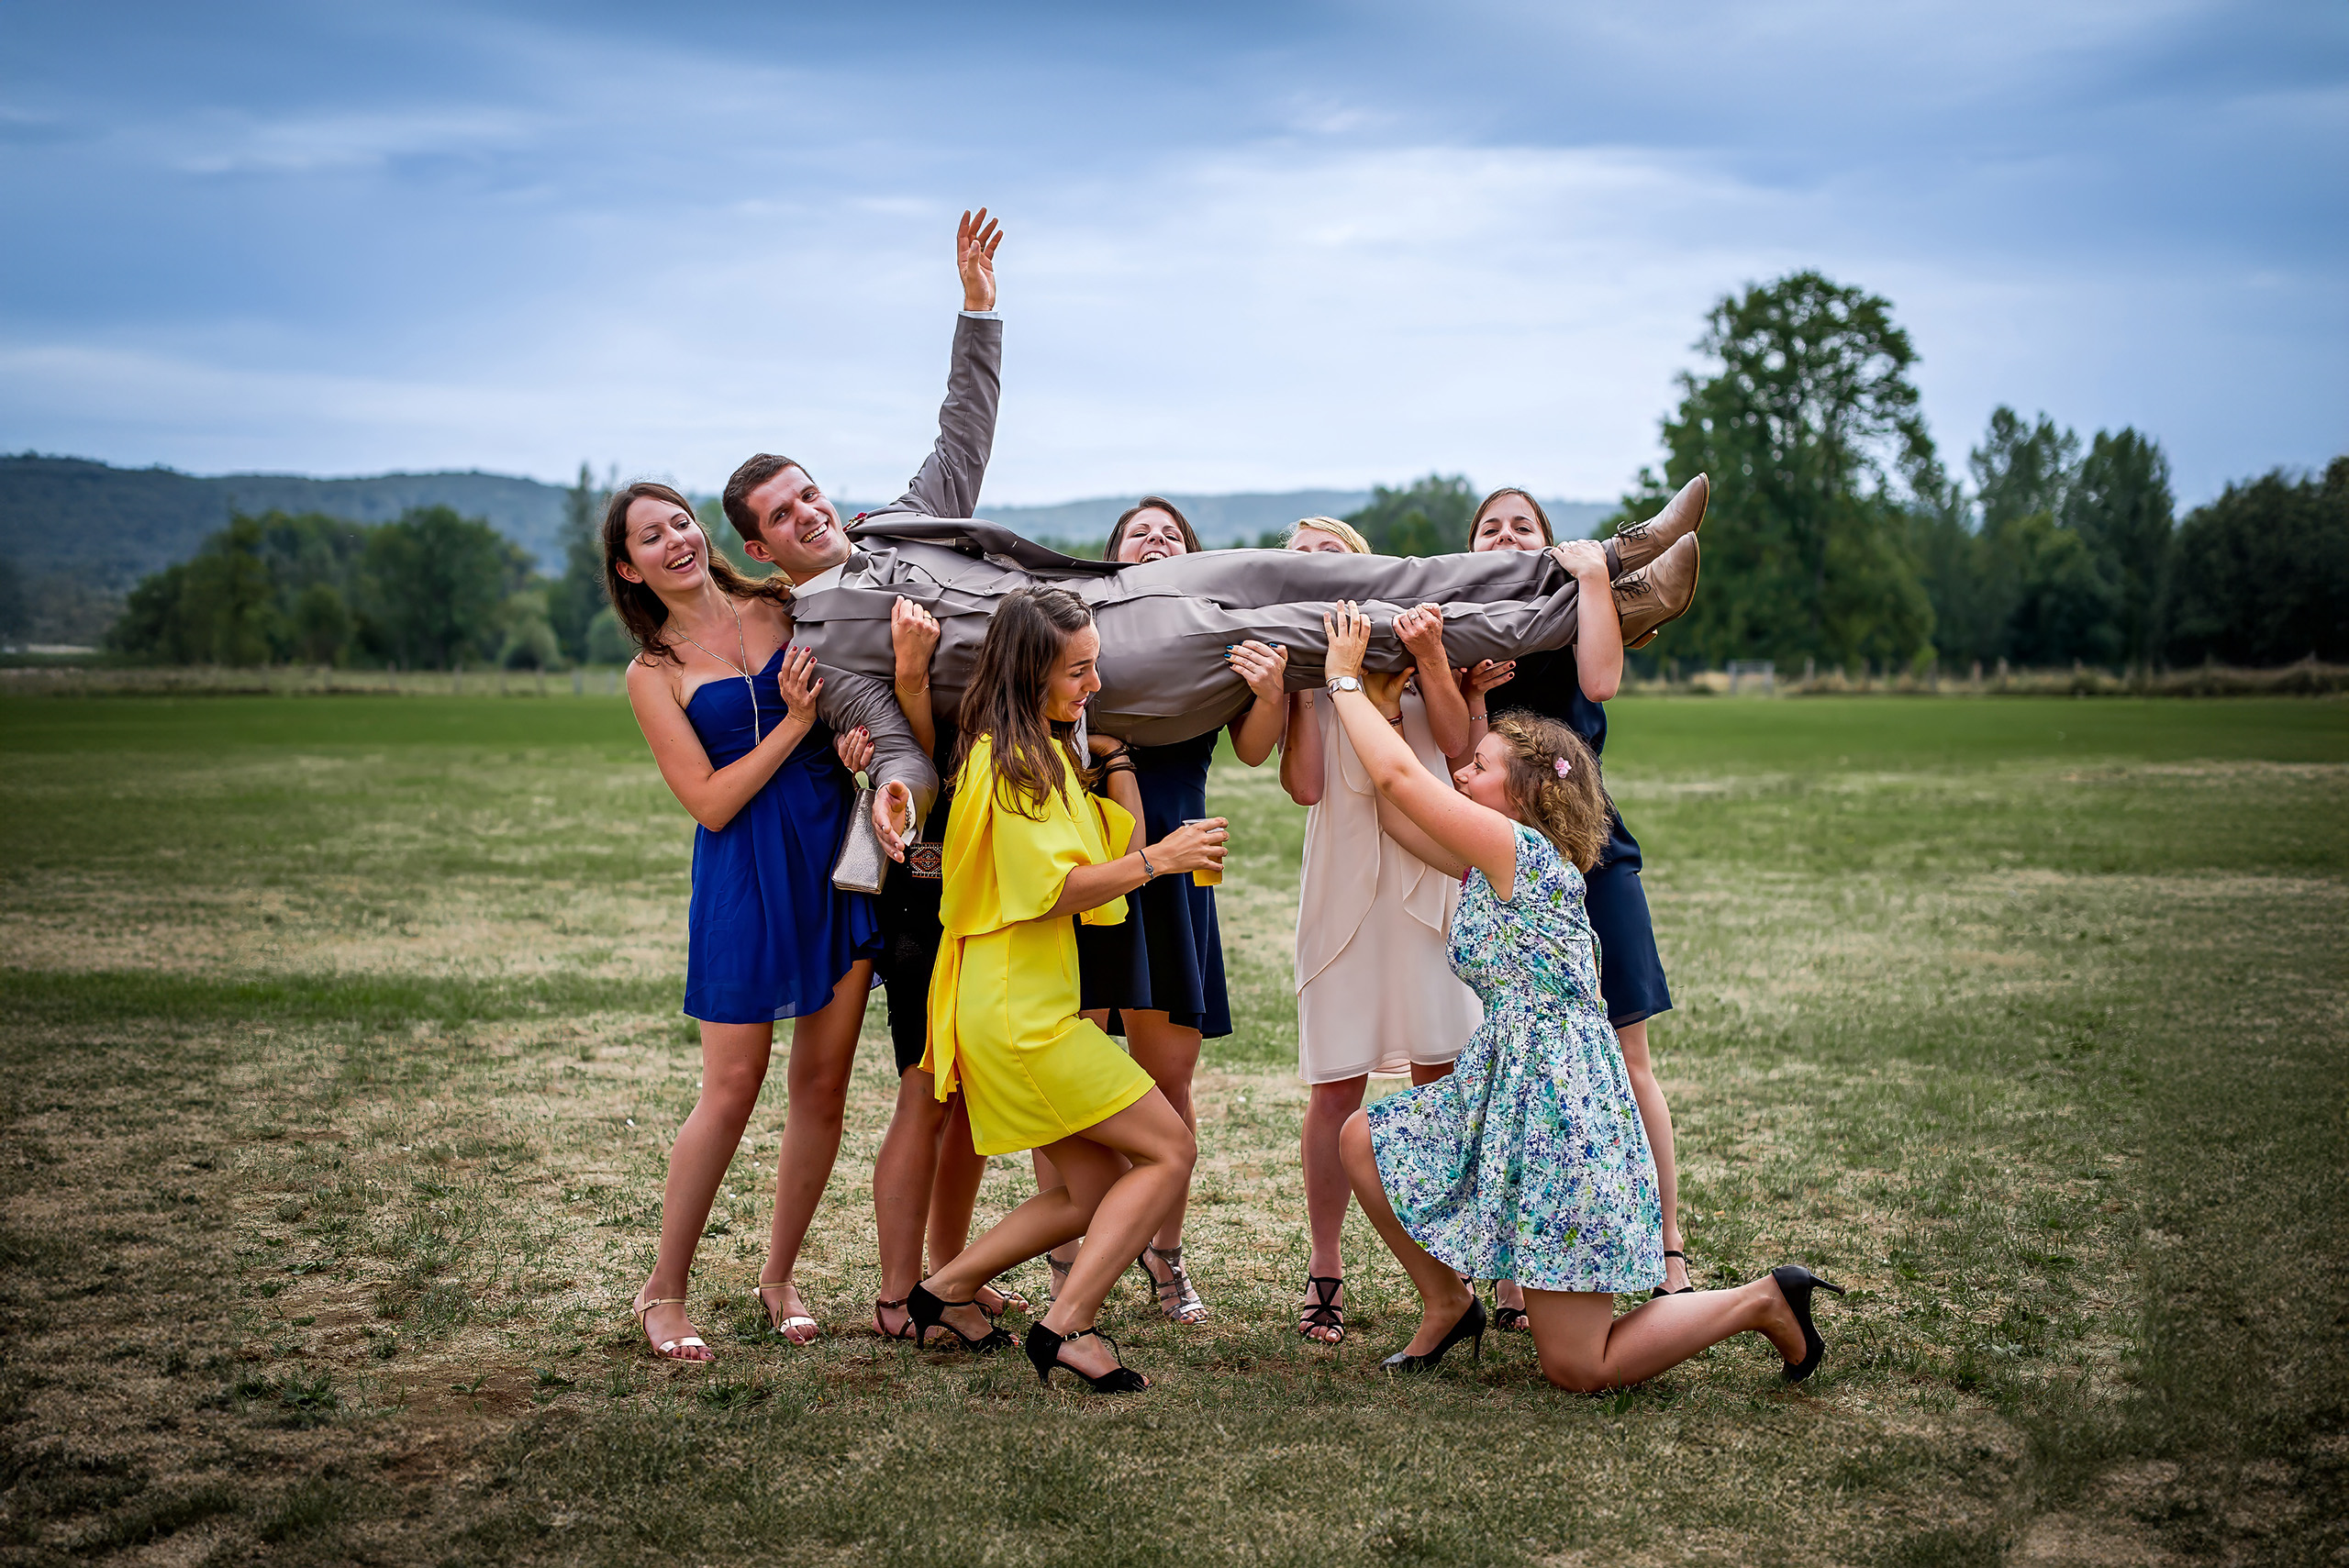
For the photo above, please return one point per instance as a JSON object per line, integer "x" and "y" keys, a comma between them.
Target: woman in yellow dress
{"x": 1028, "y": 847}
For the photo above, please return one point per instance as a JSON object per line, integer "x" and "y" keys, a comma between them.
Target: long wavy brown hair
{"x": 1005, "y": 699}
{"x": 1572, "y": 809}
{"x": 639, "y": 608}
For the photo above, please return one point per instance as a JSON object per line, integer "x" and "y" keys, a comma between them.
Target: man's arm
{"x": 948, "y": 485}
{"x": 849, "y": 701}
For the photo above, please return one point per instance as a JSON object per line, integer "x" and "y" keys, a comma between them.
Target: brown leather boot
{"x": 1636, "y": 544}
{"x": 1659, "y": 591}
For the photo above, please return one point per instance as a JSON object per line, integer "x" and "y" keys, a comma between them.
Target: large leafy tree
{"x": 2261, "y": 574}
{"x": 1429, "y": 516}
{"x": 437, "y": 584}
{"x": 2022, "y": 468}
{"x": 218, "y": 607}
{"x": 573, "y": 598}
{"x": 2121, "y": 504}
{"x": 1810, "y": 429}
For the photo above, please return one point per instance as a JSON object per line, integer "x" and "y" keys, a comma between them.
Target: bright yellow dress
{"x": 1002, "y": 1001}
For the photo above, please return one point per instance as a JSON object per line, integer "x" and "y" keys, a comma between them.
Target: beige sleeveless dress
{"x": 1375, "y": 989}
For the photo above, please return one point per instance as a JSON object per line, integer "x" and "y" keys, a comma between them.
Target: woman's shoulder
{"x": 1540, "y": 863}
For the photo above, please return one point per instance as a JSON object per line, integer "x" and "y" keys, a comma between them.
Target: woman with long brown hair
{"x": 1029, "y": 846}
{"x": 730, "y": 711}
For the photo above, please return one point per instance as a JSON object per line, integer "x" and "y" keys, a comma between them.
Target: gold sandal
{"x": 667, "y": 1349}
{"x": 785, "y": 1327}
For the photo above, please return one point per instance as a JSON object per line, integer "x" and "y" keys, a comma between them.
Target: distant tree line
{"x": 1836, "y": 535}
{"x": 431, "y": 591}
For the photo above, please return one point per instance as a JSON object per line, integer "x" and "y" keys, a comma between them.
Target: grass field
{"x": 341, "y": 1051}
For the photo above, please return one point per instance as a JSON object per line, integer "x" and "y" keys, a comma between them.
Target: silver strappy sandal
{"x": 1177, "y": 1297}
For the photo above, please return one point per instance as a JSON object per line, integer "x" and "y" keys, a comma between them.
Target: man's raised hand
{"x": 975, "y": 243}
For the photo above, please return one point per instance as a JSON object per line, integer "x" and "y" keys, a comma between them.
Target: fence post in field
{"x": 578, "y": 682}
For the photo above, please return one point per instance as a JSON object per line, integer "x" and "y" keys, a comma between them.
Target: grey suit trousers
{"x": 1165, "y": 625}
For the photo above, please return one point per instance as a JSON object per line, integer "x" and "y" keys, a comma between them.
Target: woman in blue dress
{"x": 1157, "y": 979}
{"x": 1529, "y": 1160}
{"x": 729, "y": 712}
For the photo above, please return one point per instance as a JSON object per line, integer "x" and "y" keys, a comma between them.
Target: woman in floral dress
{"x": 1529, "y": 1160}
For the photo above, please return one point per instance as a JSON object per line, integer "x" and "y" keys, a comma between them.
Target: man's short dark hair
{"x": 754, "y": 472}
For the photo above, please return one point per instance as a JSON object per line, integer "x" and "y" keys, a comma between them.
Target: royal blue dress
{"x": 768, "y": 936}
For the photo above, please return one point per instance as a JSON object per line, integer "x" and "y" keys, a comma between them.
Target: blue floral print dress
{"x": 1529, "y": 1162}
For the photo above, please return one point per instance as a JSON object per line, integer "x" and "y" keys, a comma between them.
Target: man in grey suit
{"x": 1166, "y": 626}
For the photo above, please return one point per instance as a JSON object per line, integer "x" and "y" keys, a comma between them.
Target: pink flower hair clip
{"x": 1564, "y": 766}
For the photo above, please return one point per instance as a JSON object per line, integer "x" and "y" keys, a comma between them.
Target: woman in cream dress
{"x": 1375, "y": 991}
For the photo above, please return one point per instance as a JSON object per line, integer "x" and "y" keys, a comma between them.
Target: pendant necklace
{"x": 742, "y": 669}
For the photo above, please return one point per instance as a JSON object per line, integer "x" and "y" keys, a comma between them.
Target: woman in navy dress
{"x": 1572, "y": 685}
{"x": 1158, "y": 978}
{"x": 729, "y": 712}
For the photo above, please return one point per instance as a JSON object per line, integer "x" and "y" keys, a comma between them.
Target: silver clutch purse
{"x": 862, "y": 864}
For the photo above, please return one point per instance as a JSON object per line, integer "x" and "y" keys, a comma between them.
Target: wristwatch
{"x": 1344, "y": 684}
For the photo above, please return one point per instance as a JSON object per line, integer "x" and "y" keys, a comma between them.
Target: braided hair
{"x": 1570, "y": 808}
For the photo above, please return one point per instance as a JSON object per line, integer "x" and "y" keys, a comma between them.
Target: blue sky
{"x": 1249, "y": 248}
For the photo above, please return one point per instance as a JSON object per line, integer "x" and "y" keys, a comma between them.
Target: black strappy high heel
{"x": 1470, "y": 1325}
{"x": 1044, "y": 1351}
{"x": 1685, "y": 1289}
{"x": 928, "y": 1312}
{"x": 1795, "y": 1283}
{"x": 1321, "y": 1309}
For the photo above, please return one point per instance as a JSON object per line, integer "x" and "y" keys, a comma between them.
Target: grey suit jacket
{"x": 1164, "y": 626}
{"x": 861, "y": 693}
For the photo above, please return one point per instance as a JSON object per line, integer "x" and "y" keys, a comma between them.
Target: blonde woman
{"x": 1374, "y": 991}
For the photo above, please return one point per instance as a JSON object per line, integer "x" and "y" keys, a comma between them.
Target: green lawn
{"x": 341, "y": 1050}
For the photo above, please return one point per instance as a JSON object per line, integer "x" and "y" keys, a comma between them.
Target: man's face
{"x": 799, "y": 532}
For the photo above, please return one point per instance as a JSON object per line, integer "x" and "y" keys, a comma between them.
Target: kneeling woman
{"x": 1529, "y": 1160}
{"x": 1026, "y": 848}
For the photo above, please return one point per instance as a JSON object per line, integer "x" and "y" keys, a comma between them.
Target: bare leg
{"x": 903, "y": 1175}
{"x": 733, "y": 1066}
{"x": 823, "y": 1048}
{"x": 1059, "y": 1260}
{"x": 1657, "y": 1117}
{"x": 1326, "y": 1192}
{"x": 1117, "y": 1208}
{"x": 1170, "y": 1055}
{"x": 956, "y": 1194}
{"x": 1444, "y": 1296}
{"x": 1048, "y": 1175}
{"x": 1586, "y": 1348}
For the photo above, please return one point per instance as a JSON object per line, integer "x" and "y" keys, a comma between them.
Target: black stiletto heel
{"x": 1795, "y": 1283}
{"x": 1044, "y": 1352}
{"x": 1685, "y": 1289}
{"x": 928, "y": 1312}
{"x": 1470, "y": 1325}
